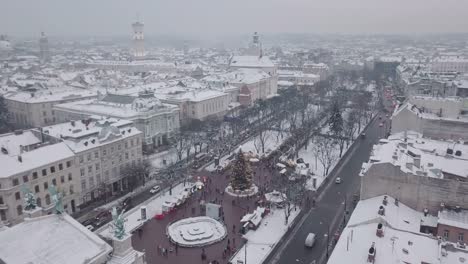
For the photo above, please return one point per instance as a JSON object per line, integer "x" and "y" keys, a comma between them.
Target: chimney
{"x": 417, "y": 161}
{"x": 426, "y": 211}
{"x": 379, "y": 231}
{"x": 72, "y": 123}
{"x": 381, "y": 210}
{"x": 371, "y": 255}
{"x": 20, "y": 159}
{"x": 385, "y": 200}
{"x": 396, "y": 202}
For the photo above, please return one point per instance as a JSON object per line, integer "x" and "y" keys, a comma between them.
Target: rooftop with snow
{"x": 397, "y": 240}
{"x": 422, "y": 156}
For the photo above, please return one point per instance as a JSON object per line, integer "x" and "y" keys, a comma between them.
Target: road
{"x": 328, "y": 213}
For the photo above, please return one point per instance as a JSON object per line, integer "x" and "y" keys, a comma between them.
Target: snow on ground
{"x": 315, "y": 166}
{"x": 153, "y": 207}
{"x": 260, "y": 242}
{"x": 272, "y": 141}
{"x": 170, "y": 155}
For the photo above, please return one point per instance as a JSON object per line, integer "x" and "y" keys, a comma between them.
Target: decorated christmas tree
{"x": 241, "y": 178}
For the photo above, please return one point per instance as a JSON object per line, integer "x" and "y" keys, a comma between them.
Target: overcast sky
{"x": 224, "y": 17}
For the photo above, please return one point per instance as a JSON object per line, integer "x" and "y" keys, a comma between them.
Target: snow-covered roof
{"x": 50, "y": 95}
{"x": 454, "y": 218}
{"x": 251, "y": 62}
{"x": 239, "y": 76}
{"x": 401, "y": 241}
{"x": 11, "y": 163}
{"x": 51, "y": 239}
{"x": 421, "y": 156}
{"x": 139, "y": 107}
{"x": 81, "y": 136}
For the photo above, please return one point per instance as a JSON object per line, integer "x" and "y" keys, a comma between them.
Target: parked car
{"x": 338, "y": 180}
{"x": 126, "y": 204}
{"x": 310, "y": 240}
{"x": 363, "y": 135}
{"x": 90, "y": 227}
{"x": 155, "y": 189}
{"x": 88, "y": 222}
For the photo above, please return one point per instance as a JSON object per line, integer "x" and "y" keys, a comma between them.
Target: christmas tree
{"x": 241, "y": 178}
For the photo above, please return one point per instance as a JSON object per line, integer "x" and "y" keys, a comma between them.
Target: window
{"x": 15, "y": 182}
{"x": 52, "y": 169}
{"x": 98, "y": 166}
{"x": 2, "y": 215}
{"x": 36, "y": 189}
{"x": 17, "y": 195}
{"x": 112, "y": 149}
{"x": 46, "y": 186}
{"x": 39, "y": 202}
{"x": 47, "y": 199}
{"x": 131, "y": 142}
{"x": 119, "y": 147}
{"x": 460, "y": 237}
{"x": 446, "y": 234}
{"x": 91, "y": 182}
{"x": 120, "y": 158}
{"x": 44, "y": 113}
{"x": 96, "y": 154}
{"x": 1, "y": 200}
{"x": 83, "y": 185}
{"x": 89, "y": 157}
{"x": 68, "y": 164}
{"x": 54, "y": 182}
{"x": 104, "y": 152}
{"x": 82, "y": 172}
{"x": 44, "y": 172}
{"x": 34, "y": 175}
{"x": 19, "y": 210}
{"x": 126, "y": 155}
{"x": 71, "y": 189}
{"x": 70, "y": 177}
{"x": 106, "y": 175}
{"x": 25, "y": 178}
{"x": 126, "y": 144}
{"x": 90, "y": 169}
{"x": 62, "y": 179}
{"x": 81, "y": 159}
{"x": 60, "y": 166}
{"x": 138, "y": 141}
{"x": 98, "y": 178}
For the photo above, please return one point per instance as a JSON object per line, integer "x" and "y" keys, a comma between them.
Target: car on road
{"x": 310, "y": 240}
{"x": 338, "y": 180}
{"x": 381, "y": 125}
{"x": 363, "y": 135}
{"x": 155, "y": 189}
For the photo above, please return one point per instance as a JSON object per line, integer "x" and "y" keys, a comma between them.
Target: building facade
{"x": 34, "y": 161}
{"x": 102, "y": 149}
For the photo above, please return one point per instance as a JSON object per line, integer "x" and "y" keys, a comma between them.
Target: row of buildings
{"x": 82, "y": 159}
{"x": 414, "y": 189}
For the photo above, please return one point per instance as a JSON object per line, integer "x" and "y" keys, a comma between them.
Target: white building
{"x": 44, "y": 53}
{"x": 320, "y": 69}
{"x": 157, "y": 121}
{"x": 34, "y": 107}
{"x": 387, "y": 232}
{"x": 199, "y": 104}
{"x": 441, "y": 118}
{"x": 450, "y": 64}
{"x": 421, "y": 172}
{"x": 102, "y": 148}
{"x": 260, "y": 84}
{"x": 35, "y": 161}
{"x": 298, "y": 77}
{"x": 255, "y": 47}
{"x": 138, "y": 41}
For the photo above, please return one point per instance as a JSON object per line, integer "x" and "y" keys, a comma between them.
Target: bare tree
{"x": 325, "y": 148}
{"x": 136, "y": 174}
{"x": 350, "y": 126}
{"x": 182, "y": 142}
{"x": 261, "y": 139}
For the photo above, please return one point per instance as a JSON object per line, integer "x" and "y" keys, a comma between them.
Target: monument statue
{"x": 29, "y": 199}
{"x": 56, "y": 199}
{"x": 118, "y": 221}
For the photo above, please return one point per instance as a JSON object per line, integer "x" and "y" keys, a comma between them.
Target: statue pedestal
{"x": 124, "y": 252}
{"x": 33, "y": 213}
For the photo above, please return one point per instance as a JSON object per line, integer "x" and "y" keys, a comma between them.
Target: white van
{"x": 310, "y": 240}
